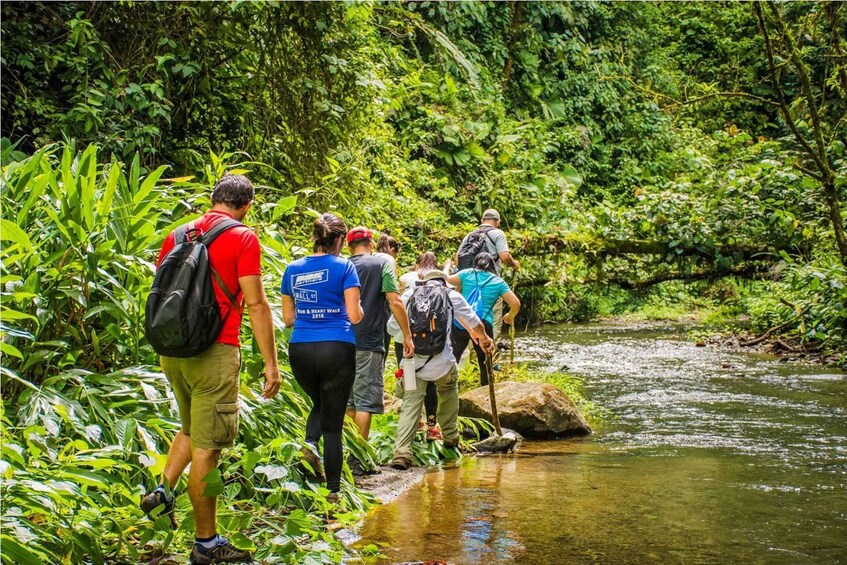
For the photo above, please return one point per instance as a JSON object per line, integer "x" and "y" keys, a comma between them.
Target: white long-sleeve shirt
{"x": 442, "y": 363}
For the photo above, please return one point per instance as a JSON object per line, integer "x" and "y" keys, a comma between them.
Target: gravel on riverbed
{"x": 390, "y": 483}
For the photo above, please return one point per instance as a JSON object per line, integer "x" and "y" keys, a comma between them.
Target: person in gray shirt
{"x": 498, "y": 247}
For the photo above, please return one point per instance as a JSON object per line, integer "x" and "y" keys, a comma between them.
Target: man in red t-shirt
{"x": 206, "y": 385}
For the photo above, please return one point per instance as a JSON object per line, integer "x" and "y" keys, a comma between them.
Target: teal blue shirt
{"x": 491, "y": 286}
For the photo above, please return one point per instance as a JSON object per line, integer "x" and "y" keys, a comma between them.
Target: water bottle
{"x": 409, "y": 379}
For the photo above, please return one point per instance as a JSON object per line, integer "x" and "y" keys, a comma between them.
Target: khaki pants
{"x": 498, "y": 318}
{"x": 447, "y": 415}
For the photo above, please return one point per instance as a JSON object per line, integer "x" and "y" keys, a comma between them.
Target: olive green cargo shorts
{"x": 206, "y": 390}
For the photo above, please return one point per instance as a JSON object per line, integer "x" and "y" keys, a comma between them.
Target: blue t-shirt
{"x": 317, "y": 285}
{"x": 492, "y": 288}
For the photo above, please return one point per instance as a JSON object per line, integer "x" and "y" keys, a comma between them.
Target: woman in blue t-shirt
{"x": 482, "y": 289}
{"x": 320, "y": 299}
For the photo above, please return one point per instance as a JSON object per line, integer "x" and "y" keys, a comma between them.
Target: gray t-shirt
{"x": 495, "y": 243}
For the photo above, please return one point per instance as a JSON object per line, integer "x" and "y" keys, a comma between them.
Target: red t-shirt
{"x": 235, "y": 253}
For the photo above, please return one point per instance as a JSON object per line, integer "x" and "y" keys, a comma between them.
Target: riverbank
{"x": 714, "y": 328}
{"x": 389, "y": 484}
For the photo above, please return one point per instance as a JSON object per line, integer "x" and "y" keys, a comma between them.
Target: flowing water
{"x": 713, "y": 457}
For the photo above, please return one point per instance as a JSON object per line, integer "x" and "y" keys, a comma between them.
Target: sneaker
{"x": 155, "y": 499}
{"x": 316, "y": 473}
{"x": 433, "y": 433}
{"x": 401, "y": 463}
{"x": 223, "y": 552}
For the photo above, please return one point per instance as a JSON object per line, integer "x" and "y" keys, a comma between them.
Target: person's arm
{"x": 501, "y": 245}
{"x": 507, "y": 259}
{"x": 354, "y": 305}
{"x": 456, "y": 281}
{"x": 479, "y": 336}
{"x": 399, "y": 310}
{"x": 288, "y": 315}
{"x": 261, "y": 321}
{"x": 514, "y": 303}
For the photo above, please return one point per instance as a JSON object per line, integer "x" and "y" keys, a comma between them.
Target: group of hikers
{"x": 344, "y": 311}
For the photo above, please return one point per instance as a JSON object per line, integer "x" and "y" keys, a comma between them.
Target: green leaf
{"x": 20, "y": 555}
{"x": 214, "y": 483}
{"x": 9, "y": 231}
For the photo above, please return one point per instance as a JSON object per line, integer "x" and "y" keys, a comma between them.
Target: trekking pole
{"x": 512, "y": 343}
{"x": 494, "y": 417}
{"x": 512, "y": 327}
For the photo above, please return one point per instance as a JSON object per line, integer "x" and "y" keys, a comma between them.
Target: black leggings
{"x": 431, "y": 398}
{"x": 459, "y": 339}
{"x": 325, "y": 370}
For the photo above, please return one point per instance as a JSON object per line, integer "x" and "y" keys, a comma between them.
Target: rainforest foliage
{"x": 626, "y": 145}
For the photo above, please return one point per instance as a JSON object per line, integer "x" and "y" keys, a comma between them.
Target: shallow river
{"x": 712, "y": 457}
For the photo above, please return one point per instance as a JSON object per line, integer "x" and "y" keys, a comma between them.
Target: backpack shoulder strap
{"x": 486, "y": 230}
{"x": 181, "y": 233}
{"x": 216, "y": 230}
{"x": 207, "y": 239}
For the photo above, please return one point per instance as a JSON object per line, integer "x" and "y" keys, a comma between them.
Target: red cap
{"x": 358, "y": 233}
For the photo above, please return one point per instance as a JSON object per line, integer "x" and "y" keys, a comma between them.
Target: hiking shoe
{"x": 401, "y": 463}
{"x": 316, "y": 473}
{"x": 433, "y": 433}
{"x": 223, "y": 552}
{"x": 155, "y": 499}
{"x": 451, "y": 443}
{"x": 358, "y": 469}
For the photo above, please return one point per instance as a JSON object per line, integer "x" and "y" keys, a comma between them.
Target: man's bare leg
{"x": 205, "y": 507}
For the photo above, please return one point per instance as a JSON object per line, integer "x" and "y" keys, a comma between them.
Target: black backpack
{"x": 430, "y": 312}
{"x": 182, "y": 316}
{"x": 473, "y": 246}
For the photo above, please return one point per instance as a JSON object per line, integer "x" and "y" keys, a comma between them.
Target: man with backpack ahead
{"x": 430, "y": 307}
{"x": 207, "y": 270}
{"x": 489, "y": 238}
{"x": 379, "y": 296}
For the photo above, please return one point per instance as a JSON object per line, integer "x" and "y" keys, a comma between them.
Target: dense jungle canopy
{"x": 627, "y": 146}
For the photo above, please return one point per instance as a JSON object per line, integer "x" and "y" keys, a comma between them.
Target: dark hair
{"x": 426, "y": 262}
{"x": 387, "y": 243}
{"x": 236, "y": 191}
{"x": 325, "y": 232}
{"x": 484, "y": 262}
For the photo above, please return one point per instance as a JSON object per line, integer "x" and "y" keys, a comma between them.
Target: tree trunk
{"x": 835, "y": 217}
{"x": 517, "y": 8}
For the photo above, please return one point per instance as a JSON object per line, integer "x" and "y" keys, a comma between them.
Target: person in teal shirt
{"x": 482, "y": 288}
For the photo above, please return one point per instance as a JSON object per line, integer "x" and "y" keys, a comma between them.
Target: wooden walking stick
{"x": 494, "y": 417}
{"x": 512, "y": 343}
{"x": 512, "y": 327}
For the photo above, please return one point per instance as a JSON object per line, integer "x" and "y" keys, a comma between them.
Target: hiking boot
{"x": 316, "y": 473}
{"x": 401, "y": 463}
{"x": 358, "y": 469}
{"x": 433, "y": 433}
{"x": 223, "y": 552}
{"x": 451, "y": 443}
{"x": 155, "y": 499}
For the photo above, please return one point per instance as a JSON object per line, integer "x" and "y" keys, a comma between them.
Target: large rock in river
{"x": 536, "y": 410}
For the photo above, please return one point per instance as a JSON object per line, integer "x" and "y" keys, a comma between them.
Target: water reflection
{"x": 714, "y": 458}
